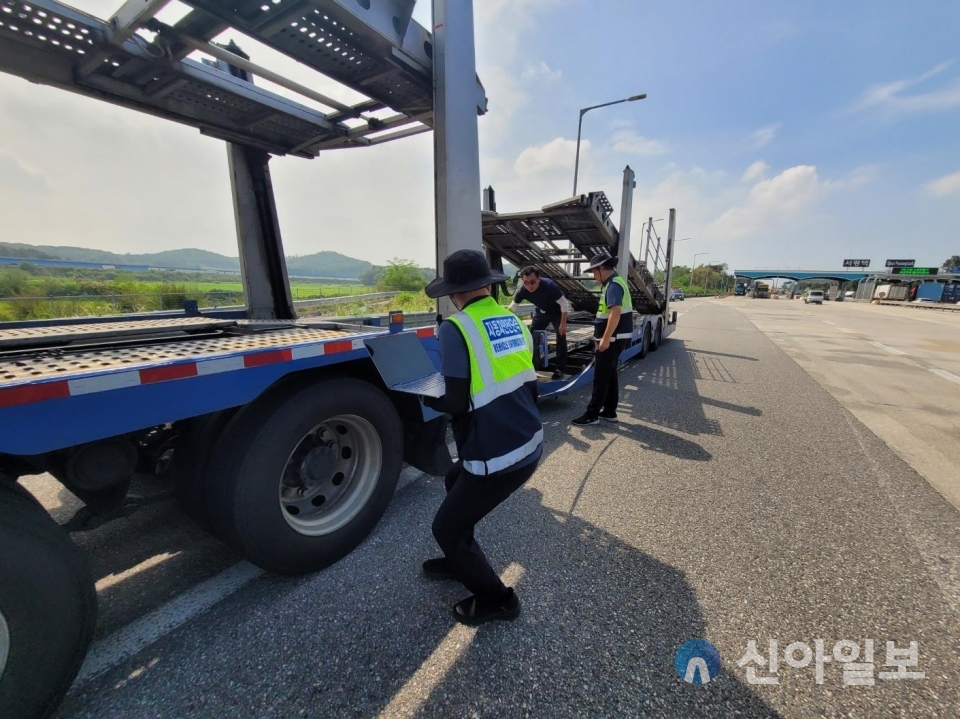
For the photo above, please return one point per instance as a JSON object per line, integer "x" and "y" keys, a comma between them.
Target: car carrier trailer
{"x": 277, "y": 433}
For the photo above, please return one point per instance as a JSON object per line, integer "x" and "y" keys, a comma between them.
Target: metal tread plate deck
{"x": 117, "y": 328}
{"x": 379, "y": 51}
{"x": 53, "y": 374}
{"x": 51, "y": 43}
{"x": 62, "y": 334}
{"x": 531, "y": 238}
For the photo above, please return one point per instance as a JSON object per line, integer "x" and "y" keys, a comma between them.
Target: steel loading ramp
{"x": 134, "y": 60}
{"x": 559, "y": 238}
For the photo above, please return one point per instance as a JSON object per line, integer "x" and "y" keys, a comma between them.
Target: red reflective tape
{"x": 341, "y": 346}
{"x": 425, "y": 332}
{"x": 33, "y": 393}
{"x": 260, "y": 359}
{"x": 168, "y": 372}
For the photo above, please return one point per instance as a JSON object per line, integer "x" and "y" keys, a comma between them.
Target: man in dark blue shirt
{"x": 551, "y": 309}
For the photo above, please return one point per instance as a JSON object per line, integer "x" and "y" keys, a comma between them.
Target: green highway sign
{"x": 914, "y": 270}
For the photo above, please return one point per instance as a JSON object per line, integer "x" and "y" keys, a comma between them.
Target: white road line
{"x": 950, "y": 376}
{"x": 844, "y": 329}
{"x": 829, "y": 322}
{"x": 124, "y": 643}
{"x": 891, "y": 350}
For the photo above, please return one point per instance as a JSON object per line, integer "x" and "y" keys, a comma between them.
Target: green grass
{"x": 299, "y": 290}
{"x": 30, "y": 293}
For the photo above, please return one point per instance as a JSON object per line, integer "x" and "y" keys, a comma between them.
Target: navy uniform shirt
{"x": 545, "y": 297}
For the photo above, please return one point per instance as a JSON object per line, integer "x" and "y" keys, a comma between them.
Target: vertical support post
{"x": 489, "y": 200}
{"x": 626, "y": 216}
{"x": 455, "y": 142}
{"x": 266, "y": 285}
{"x": 263, "y": 268}
{"x": 646, "y": 256}
{"x": 494, "y": 258}
{"x": 668, "y": 281}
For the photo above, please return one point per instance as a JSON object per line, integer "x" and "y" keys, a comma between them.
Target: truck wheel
{"x": 301, "y": 476}
{"x": 48, "y": 607}
{"x": 657, "y": 338}
{"x": 645, "y": 347}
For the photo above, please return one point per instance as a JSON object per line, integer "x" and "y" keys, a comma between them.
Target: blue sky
{"x": 785, "y": 135}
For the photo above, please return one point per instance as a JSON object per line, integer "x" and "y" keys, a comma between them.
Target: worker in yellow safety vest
{"x": 612, "y": 329}
{"x": 491, "y": 394}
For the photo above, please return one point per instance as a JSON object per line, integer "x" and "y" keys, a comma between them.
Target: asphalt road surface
{"x": 742, "y": 498}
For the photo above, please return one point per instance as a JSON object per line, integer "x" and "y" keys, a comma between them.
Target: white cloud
{"x": 505, "y": 97}
{"x": 558, "y": 155}
{"x": 946, "y": 185}
{"x": 756, "y": 171}
{"x": 893, "y": 98}
{"x": 541, "y": 72}
{"x": 859, "y": 177}
{"x": 765, "y": 135}
{"x": 631, "y": 142}
{"x": 789, "y": 192}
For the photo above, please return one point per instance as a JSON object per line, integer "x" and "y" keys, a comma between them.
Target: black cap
{"x": 463, "y": 271}
{"x": 602, "y": 259}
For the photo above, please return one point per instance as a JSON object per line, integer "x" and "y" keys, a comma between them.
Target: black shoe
{"x": 609, "y": 416}
{"x": 557, "y": 374}
{"x": 438, "y": 569}
{"x": 585, "y": 419}
{"x": 476, "y": 610}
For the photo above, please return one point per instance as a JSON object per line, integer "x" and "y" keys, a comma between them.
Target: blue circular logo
{"x": 697, "y": 661}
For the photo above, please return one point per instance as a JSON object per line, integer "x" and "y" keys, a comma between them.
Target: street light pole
{"x": 584, "y": 111}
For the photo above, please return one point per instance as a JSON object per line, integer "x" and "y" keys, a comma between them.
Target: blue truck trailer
{"x": 275, "y": 432}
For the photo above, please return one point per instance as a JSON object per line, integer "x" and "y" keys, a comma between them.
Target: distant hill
{"x": 326, "y": 264}
{"x": 320, "y": 264}
{"x": 25, "y": 251}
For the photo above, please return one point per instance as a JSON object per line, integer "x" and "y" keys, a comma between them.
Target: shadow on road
{"x": 600, "y": 627}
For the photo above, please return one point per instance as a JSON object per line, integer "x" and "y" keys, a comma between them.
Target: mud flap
{"x": 425, "y": 445}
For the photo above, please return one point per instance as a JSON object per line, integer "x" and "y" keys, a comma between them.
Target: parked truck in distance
{"x": 740, "y": 289}
{"x": 762, "y": 291}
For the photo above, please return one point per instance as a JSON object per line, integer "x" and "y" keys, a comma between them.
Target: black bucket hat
{"x": 463, "y": 271}
{"x": 603, "y": 257}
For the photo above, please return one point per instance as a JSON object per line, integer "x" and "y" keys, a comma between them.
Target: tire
{"x": 301, "y": 476}
{"x": 48, "y": 608}
{"x": 195, "y": 442}
{"x": 657, "y": 338}
{"x": 645, "y": 343}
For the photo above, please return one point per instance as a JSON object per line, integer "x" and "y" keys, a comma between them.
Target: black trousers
{"x": 606, "y": 384}
{"x": 469, "y": 499}
{"x": 541, "y": 322}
